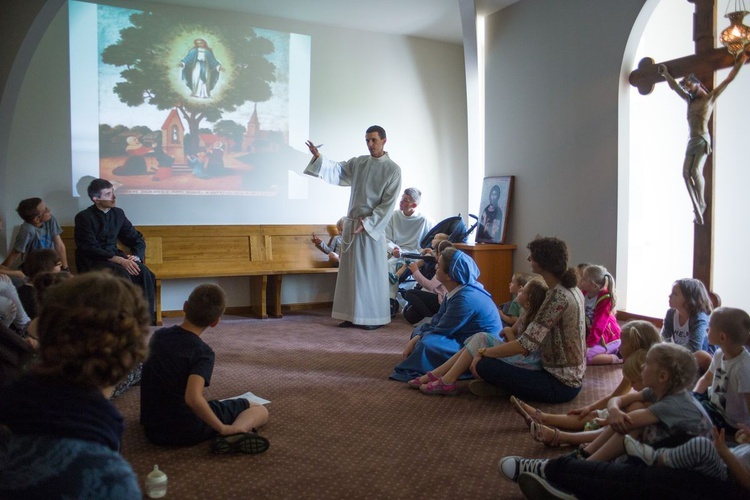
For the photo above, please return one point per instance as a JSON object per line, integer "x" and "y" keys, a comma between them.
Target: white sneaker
{"x": 535, "y": 487}
{"x": 635, "y": 448}
{"x": 512, "y": 467}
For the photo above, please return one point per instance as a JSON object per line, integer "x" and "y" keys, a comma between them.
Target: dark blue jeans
{"x": 595, "y": 480}
{"x": 534, "y": 385}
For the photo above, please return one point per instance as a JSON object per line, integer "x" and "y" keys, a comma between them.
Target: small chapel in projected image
{"x": 255, "y": 139}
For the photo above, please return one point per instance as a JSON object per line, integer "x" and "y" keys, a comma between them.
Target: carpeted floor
{"x": 339, "y": 428}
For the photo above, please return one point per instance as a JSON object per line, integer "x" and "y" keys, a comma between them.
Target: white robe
{"x": 362, "y": 283}
{"x": 407, "y": 231}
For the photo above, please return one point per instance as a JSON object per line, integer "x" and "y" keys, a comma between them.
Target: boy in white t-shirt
{"x": 724, "y": 390}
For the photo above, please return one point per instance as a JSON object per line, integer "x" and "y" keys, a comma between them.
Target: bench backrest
{"x": 228, "y": 250}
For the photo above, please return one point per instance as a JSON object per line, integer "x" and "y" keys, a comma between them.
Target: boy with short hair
{"x": 39, "y": 231}
{"x": 174, "y": 410}
{"x": 724, "y": 390}
{"x": 511, "y": 311}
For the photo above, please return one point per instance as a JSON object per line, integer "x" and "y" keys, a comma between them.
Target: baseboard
{"x": 306, "y": 306}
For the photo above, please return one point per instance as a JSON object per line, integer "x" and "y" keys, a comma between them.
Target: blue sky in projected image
{"x": 273, "y": 114}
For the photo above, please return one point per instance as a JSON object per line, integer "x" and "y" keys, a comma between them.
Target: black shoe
{"x": 246, "y": 442}
{"x": 369, "y": 327}
{"x": 395, "y": 306}
{"x": 346, "y": 324}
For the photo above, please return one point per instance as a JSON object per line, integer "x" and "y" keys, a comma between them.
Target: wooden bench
{"x": 263, "y": 253}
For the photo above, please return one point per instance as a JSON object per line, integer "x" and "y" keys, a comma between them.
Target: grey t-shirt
{"x": 31, "y": 238}
{"x": 678, "y": 413}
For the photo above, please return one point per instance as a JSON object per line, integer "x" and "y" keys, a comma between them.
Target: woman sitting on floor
{"x": 61, "y": 436}
{"x": 558, "y": 331}
{"x": 467, "y": 309}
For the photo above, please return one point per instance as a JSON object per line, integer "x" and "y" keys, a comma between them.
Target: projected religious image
{"x": 192, "y": 104}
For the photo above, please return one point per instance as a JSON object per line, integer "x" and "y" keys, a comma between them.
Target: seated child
{"x": 687, "y": 319}
{"x": 40, "y": 230}
{"x": 12, "y": 313}
{"x": 442, "y": 380}
{"x": 596, "y": 419}
{"x": 423, "y": 301}
{"x": 39, "y": 261}
{"x": 333, "y": 248}
{"x": 173, "y": 408}
{"x": 62, "y": 435}
{"x": 724, "y": 390}
{"x": 701, "y": 455}
{"x": 511, "y": 311}
{"x": 672, "y": 418}
{"x": 579, "y": 272}
{"x": 603, "y": 332}
{"x": 406, "y": 267}
{"x": 636, "y": 335}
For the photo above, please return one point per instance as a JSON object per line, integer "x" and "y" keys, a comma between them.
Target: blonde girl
{"x": 603, "y": 335}
{"x": 596, "y": 419}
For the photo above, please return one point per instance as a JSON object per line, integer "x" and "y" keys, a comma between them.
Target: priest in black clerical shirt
{"x": 97, "y": 230}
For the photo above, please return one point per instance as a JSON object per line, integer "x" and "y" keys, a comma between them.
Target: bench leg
{"x": 157, "y": 292}
{"x": 274, "y": 296}
{"x": 258, "y": 296}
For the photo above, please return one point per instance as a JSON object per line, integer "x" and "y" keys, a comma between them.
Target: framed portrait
{"x": 493, "y": 210}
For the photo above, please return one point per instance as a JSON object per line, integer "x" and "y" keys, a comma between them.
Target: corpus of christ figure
{"x": 700, "y": 103}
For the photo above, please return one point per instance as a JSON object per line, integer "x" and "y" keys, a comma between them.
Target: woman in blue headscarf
{"x": 466, "y": 310}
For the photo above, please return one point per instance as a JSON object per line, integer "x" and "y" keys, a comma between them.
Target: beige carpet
{"x": 339, "y": 428}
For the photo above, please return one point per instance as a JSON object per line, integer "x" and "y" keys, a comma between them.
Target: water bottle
{"x": 156, "y": 483}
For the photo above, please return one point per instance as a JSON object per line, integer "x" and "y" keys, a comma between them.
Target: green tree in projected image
{"x": 230, "y": 129}
{"x": 157, "y": 44}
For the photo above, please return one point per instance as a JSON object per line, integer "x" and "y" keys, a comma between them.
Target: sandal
{"x": 438, "y": 387}
{"x": 537, "y": 432}
{"x": 517, "y": 405}
{"x": 416, "y": 383}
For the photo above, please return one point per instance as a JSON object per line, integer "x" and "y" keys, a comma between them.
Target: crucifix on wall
{"x": 703, "y": 65}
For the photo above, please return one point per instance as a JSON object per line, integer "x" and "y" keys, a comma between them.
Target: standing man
{"x": 700, "y": 106}
{"x": 97, "y": 230}
{"x": 361, "y": 297}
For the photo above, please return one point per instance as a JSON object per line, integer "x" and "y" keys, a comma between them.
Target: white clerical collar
{"x": 102, "y": 210}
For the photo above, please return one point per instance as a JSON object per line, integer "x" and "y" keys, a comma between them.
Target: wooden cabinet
{"x": 495, "y": 264}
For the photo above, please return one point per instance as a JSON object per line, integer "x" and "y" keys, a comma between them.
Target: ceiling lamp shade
{"x": 737, "y": 36}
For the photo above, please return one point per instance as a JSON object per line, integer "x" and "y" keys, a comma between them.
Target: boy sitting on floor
{"x": 173, "y": 408}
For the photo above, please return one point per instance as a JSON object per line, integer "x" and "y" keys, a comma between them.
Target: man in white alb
{"x": 361, "y": 297}
{"x": 404, "y": 233}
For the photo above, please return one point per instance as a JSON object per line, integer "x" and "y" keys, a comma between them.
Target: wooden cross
{"x": 704, "y": 63}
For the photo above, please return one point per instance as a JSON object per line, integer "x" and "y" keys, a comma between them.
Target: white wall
{"x": 553, "y": 77}
{"x": 413, "y": 87}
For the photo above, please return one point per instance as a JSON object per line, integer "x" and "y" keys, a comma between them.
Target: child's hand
{"x": 316, "y": 240}
{"x": 580, "y": 412}
{"x": 413, "y": 266}
{"x": 743, "y": 434}
{"x": 618, "y": 419}
{"x": 410, "y": 347}
{"x": 720, "y": 442}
